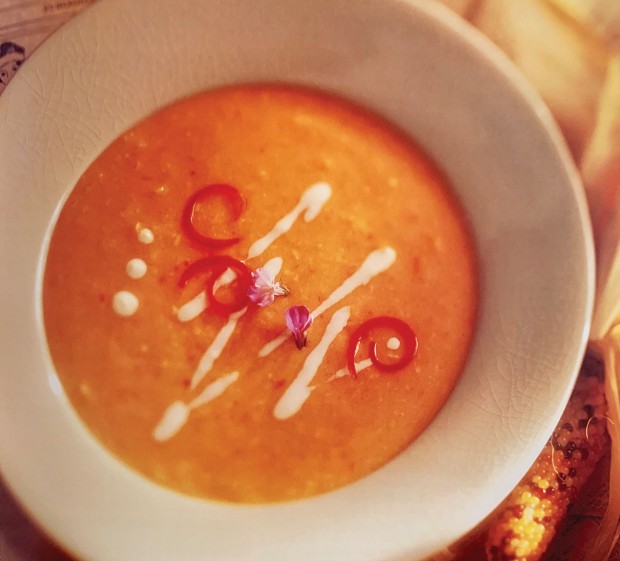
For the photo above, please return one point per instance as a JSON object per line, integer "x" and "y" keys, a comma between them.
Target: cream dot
{"x": 136, "y": 268}
{"x": 393, "y": 343}
{"x": 125, "y": 303}
{"x": 145, "y": 236}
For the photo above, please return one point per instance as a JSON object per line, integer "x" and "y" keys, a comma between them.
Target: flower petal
{"x": 261, "y": 296}
{"x": 262, "y": 278}
{"x": 264, "y": 288}
{"x": 298, "y": 320}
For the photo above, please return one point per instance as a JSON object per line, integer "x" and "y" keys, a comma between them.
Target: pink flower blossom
{"x": 299, "y": 320}
{"x": 264, "y": 288}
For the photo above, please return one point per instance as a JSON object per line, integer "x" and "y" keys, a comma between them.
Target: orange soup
{"x": 167, "y": 316}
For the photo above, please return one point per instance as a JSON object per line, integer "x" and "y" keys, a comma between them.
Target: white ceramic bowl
{"x": 412, "y": 62}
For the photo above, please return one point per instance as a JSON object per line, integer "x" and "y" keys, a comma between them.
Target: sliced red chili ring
{"x": 408, "y": 340}
{"x": 216, "y": 265}
{"x": 232, "y": 195}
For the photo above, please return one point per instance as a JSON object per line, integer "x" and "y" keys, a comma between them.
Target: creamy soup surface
{"x": 352, "y": 218}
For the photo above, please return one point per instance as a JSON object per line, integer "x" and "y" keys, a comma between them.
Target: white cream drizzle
{"x": 125, "y": 303}
{"x": 177, "y": 414}
{"x": 311, "y": 202}
{"x": 359, "y": 366}
{"x": 393, "y": 343}
{"x": 218, "y": 344}
{"x": 215, "y": 349}
{"x": 136, "y": 268}
{"x": 192, "y": 309}
{"x": 173, "y": 420}
{"x": 299, "y": 391}
{"x": 214, "y": 389}
{"x": 145, "y": 236}
{"x": 376, "y": 262}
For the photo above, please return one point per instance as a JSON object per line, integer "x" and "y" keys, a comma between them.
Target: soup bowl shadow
{"x": 414, "y": 63}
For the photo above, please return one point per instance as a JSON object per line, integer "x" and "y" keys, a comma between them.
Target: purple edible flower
{"x": 264, "y": 288}
{"x": 299, "y": 320}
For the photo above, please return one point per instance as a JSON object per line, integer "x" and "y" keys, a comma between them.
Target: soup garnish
{"x": 231, "y": 194}
{"x": 223, "y": 272}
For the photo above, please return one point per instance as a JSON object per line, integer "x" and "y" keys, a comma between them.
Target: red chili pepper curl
{"x": 237, "y": 203}
{"x": 408, "y": 340}
{"x": 216, "y": 266}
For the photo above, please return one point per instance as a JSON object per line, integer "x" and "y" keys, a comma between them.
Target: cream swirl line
{"x": 378, "y": 261}
{"x": 178, "y": 412}
{"x": 311, "y": 203}
{"x": 216, "y": 348}
{"x": 299, "y": 391}
{"x": 359, "y": 366}
{"x": 393, "y": 343}
{"x": 192, "y": 309}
